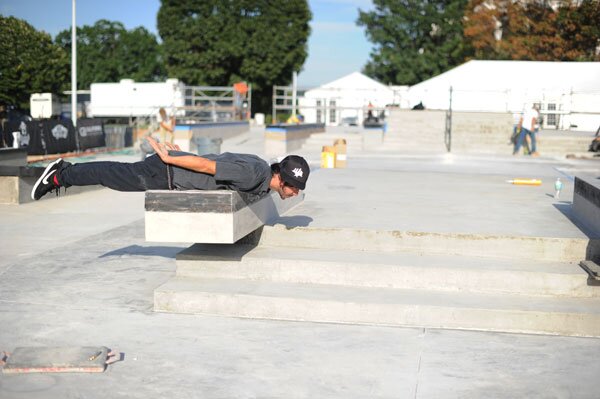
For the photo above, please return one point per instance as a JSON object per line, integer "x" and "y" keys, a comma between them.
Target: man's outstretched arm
{"x": 191, "y": 162}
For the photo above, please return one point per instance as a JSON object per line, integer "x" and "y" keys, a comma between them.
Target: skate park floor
{"x": 76, "y": 270}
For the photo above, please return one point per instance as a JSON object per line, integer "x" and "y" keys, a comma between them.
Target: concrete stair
{"x": 472, "y": 132}
{"x": 522, "y": 284}
{"x": 380, "y": 306}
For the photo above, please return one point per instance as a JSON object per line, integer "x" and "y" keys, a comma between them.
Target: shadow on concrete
{"x": 218, "y": 252}
{"x": 291, "y": 222}
{"x": 566, "y": 208}
{"x": 138, "y": 250}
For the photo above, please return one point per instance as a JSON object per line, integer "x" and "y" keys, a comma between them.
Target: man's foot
{"x": 46, "y": 182}
{"x": 535, "y": 154}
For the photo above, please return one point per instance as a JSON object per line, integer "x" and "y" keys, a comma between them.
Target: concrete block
{"x": 586, "y": 203}
{"x": 186, "y": 136}
{"x": 16, "y": 183}
{"x": 283, "y": 139}
{"x": 219, "y": 216}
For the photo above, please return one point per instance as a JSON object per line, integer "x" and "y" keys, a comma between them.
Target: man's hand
{"x": 191, "y": 162}
{"x": 162, "y": 150}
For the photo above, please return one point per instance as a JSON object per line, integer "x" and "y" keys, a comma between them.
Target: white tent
{"x": 348, "y": 97}
{"x": 569, "y": 92}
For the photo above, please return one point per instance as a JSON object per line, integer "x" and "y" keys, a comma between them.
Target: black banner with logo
{"x": 41, "y": 137}
{"x": 27, "y": 133}
{"x": 59, "y": 136}
{"x": 90, "y": 133}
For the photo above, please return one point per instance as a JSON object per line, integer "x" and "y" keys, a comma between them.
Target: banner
{"x": 90, "y": 134}
{"x": 59, "y": 136}
{"x": 27, "y": 133}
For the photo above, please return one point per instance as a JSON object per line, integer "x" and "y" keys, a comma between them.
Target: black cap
{"x": 294, "y": 171}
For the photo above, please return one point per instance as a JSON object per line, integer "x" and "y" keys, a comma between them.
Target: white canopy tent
{"x": 350, "y": 96}
{"x": 568, "y": 92}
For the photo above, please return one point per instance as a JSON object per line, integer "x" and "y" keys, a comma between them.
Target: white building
{"x": 128, "y": 98}
{"x": 348, "y": 97}
{"x": 569, "y": 92}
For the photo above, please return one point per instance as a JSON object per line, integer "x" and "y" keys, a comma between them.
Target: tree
{"x": 212, "y": 42}
{"x": 532, "y": 30}
{"x": 579, "y": 27}
{"x": 107, "y": 52}
{"x": 414, "y": 40}
{"x": 30, "y": 63}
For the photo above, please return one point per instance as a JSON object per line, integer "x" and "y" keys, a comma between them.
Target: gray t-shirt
{"x": 239, "y": 172}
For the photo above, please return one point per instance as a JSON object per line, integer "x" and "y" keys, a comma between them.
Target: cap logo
{"x": 297, "y": 172}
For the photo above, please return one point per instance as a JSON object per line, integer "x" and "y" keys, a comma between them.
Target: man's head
{"x": 289, "y": 176}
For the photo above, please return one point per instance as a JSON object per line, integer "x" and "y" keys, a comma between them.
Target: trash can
{"x": 207, "y": 145}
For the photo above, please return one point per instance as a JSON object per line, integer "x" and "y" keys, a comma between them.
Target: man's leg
{"x": 150, "y": 174}
{"x": 533, "y": 143}
{"x": 520, "y": 140}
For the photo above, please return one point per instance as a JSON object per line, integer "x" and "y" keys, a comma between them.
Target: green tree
{"x": 578, "y": 24}
{"x": 414, "y": 39}
{"x": 30, "y": 63}
{"x": 107, "y": 52}
{"x": 215, "y": 42}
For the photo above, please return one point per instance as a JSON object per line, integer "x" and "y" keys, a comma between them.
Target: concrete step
{"x": 496, "y": 246}
{"x": 380, "y": 306}
{"x": 386, "y": 270}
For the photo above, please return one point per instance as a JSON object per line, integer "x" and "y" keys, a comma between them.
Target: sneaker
{"x": 45, "y": 183}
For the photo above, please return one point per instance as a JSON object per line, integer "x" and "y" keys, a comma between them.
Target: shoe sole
{"x": 37, "y": 183}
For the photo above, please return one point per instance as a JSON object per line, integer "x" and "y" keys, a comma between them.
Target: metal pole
{"x": 294, "y": 89}
{"x": 74, "y": 69}
{"x": 274, "y": 112}
{"x": 250, "y": 101}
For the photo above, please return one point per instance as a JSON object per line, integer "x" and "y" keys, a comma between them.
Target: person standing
{"x": 527, "y": 125}
{"x": 166, "y": 126}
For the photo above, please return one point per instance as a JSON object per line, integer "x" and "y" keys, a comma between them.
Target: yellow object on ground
{"x": 525, "y": 182}
{"x": 328, "y": 157}
{"x": 340, "y": 148}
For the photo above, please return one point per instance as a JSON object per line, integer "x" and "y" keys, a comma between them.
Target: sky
{"x": 336, "y": 46}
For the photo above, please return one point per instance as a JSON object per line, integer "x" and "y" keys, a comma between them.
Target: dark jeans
{"x": 521, "y": 139}
{"x": 150, "y": 174}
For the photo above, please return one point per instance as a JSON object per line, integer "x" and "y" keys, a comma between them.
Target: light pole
{"x": 74, "y": 68}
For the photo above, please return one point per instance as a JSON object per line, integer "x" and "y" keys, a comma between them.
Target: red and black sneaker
{"x": 47, "y": 181}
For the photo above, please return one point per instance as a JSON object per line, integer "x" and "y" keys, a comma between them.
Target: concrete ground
{"x": 77, "y": 271}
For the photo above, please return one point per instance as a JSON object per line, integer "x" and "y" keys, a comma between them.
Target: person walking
{"x": 527, "y": 125}
{"x": 172, "y": 169}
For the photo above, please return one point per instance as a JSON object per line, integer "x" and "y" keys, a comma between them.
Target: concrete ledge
{"x": 13, "y": 156}
{"x": 586, "y": 203}
{"x": 284, "y": 138}
{"x": 212, "y": 217}
{"x": 16, "y": 183}
{"x": 504, "y": 247}
{"x": 186, "y": 136}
